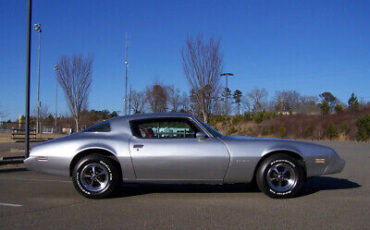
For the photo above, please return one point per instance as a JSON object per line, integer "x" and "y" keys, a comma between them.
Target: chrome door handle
{"x": 138, "y": 146}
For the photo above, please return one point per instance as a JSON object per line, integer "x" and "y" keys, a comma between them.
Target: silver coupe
{"x": 178, "y": 148}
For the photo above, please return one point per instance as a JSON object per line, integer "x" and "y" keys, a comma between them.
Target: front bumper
{"x": 336, "y": 165}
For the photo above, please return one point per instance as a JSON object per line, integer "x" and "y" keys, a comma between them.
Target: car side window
{"x": 176, "y": 129}
{"x": 164, "y": 129}
{"x": 148, "y": 129}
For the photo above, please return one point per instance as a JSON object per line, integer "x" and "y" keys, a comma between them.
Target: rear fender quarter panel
{"x": 119, "y": 147}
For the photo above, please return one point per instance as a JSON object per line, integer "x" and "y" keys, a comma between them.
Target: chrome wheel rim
{"x": 281, "y": 177}
{"x": 94, "y": 177}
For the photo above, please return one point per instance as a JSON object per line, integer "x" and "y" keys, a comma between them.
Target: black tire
{"x": 280, "y": 176}
{"x": 96, "y": 176}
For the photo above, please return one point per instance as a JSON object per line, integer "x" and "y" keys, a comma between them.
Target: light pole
{"x": 37, "y": 28}
{"x": 126, "y": 76}
{"x": 56, "y": 97}
{"x": 28, "y": 69}
{"x": 227, "y": 97}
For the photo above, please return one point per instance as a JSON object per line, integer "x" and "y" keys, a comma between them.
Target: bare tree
{"x": 185, "y": 102}
{"x": 44, "y": 111}
{"x": 286, "y": 101}
{"x": 138, "y": 101}
{"x": 174, "y": 98}
{"x": 258, "y": 98}
{"x": 308, "y": 104}
{"x": 246, "y": 104}
{"x": 75, "y": 76}
{"x": 157, "y": 98}
{"x": 202, "y": 64}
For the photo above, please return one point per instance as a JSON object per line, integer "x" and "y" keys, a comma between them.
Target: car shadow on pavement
{"x": 313, "y": 185}
{"x": 142, "y": 189}
{"x": 316, "y": 184}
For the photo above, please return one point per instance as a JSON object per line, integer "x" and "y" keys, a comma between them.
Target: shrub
{"x": 250, "y": 130}
{"x": 331, "y": 131}
{"x": 258, "y": 117}
{"x": 344, "y": 128}
{"x": 272, "y": 129}
{"x": 232, "y": 130}
{"x": 265, "y": 132}
{"x": 236, "y": 119}
{"x": 282, "y": 131}
{"x": 363, "y": 127}
{"x": 308, "y": 131}
{"x": 339, "y": 108}
{"x": 247, "y": 116}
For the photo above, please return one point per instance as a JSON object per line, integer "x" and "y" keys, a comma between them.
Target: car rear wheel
{"x": 280, "y": 176}
{"x": 95, "y": 176}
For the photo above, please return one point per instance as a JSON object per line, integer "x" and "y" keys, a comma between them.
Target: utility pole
{"x": 126, "y": 77}
{"x": 37, "y": 28}
{"x": 227, "y": 98}
{"x": 28, "y": 69}
{"x": 129, "y": 101}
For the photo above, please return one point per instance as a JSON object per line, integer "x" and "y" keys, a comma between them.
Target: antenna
{"x": 126, "y": 77}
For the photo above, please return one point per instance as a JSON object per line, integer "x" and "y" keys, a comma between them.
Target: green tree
{"x": 237, "y": 99}
{"x": 363, "y": 127}
{"x": 282, "y": 131}
{"x": 331, "y": 131}
{"x": 114, "y": 114}
{"x": 330, "y": 99}
{"x": 353, "y": 104}
{"x": 325, "y": 108}
{"x": 339, "y": 108}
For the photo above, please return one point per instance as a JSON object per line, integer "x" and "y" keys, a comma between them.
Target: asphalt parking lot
{"x": 30, "y": 200}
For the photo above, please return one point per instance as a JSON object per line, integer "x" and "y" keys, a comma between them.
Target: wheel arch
{"x": 89, "y": 151}
{"x": 286, "y": 152}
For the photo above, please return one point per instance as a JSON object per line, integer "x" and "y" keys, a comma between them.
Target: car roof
{"x": 152, "y": 115}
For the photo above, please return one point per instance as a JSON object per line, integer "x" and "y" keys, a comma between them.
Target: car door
{"x": 168, "y": 150}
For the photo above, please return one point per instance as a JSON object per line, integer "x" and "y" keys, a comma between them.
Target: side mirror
{"x": 201, "y": 136}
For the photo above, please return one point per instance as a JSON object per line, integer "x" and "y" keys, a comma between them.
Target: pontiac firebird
{"x": 178, "y": 148}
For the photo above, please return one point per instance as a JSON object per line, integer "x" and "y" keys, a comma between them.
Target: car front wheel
{"x": 95, "y": 176}
{"x": 280, "y": 176}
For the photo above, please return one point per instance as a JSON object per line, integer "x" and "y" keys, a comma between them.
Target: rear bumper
{"x": 52, "y": 165}
{"x": 31, "y": 163}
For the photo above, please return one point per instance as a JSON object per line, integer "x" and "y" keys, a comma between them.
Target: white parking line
{"x": 11, "y": 205}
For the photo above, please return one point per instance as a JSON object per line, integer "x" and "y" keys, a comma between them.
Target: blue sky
{"x": 309, "y": 46}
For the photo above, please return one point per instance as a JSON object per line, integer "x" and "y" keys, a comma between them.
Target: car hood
{"x": 266, "y": 145}
{"x": 266, "y": 139}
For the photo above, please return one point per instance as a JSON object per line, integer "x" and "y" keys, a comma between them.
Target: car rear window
{"x": 103, "y": 126}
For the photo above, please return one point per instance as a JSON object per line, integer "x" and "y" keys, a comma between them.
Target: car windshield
{"x": 210, "y": 129}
